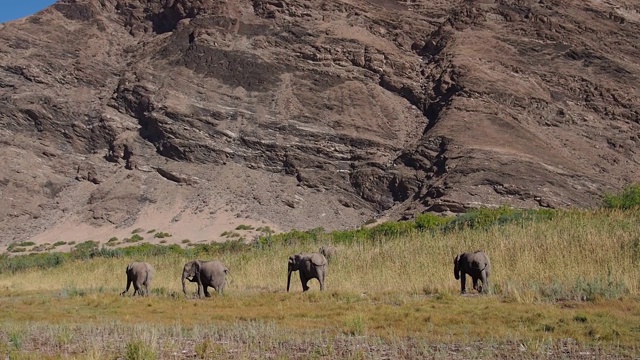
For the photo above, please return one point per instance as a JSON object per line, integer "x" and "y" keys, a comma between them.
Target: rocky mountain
{"x": 197, "y": 115}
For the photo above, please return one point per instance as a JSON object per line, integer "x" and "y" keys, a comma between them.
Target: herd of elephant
{"x": 310, "y": 266}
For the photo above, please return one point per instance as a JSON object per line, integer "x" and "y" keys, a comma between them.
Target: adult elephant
{"x": 205, "y": 274}
{"x": 477, "y": 265}
{"x": 140, "y": 275}
{"x": 328, "y": 252}
{"x": 310, "y": 266}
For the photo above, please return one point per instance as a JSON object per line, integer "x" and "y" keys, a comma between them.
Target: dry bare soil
{"x": 195, "y": 116}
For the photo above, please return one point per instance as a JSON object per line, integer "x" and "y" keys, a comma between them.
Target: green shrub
{"x": 480, "y": 218}
{"x": 59, "y": 243}
{"x": 392, "y": 229}
{"x": 231, "y": 246}
{"x": 133, "y": 238}
{"x": 161, "y": 235}
{"x": 629, "y": 198}
{"x": 15, "y": 338}
{"x": 43, "y": 261}
{"x": 146, "y": 250}
{"x": 244, "y": 227}
{"x": 265, "y": 229}
{"x": 429, "y": 221}
{"x": 26, "y": 243}
{"x": 112, "y": 240}
{"x": 485, "y": 218}
{"x": 138, "y": 230}
{"x": 349, "y": 236}
{"x": 42, "y": 247}
{"x": 138, "y": 350}
{"x": 87, "y": 245}
{"x": 85, "y": 249}
{"x": 151, "y": 231}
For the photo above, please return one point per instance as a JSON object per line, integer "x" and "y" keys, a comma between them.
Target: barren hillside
{"x": 195, "y": 116}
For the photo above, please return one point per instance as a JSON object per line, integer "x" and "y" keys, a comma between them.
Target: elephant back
{"x": 478, "y": 260}
{"x": 317, "y": 259}
{"x": 214, "y": 267}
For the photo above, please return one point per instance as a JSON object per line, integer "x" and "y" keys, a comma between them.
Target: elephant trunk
{"x": 289, "y": 280}
{"x": 456, "y": 267}
{"x": 184, "y": 276}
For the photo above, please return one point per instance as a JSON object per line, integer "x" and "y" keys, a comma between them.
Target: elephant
{"x": 205, "y": 273}
{"x": 328, "y": 252}
{"x": 477, "y": 265}
{"x": 311, "y": 266}
{"x": 140, "y": 274}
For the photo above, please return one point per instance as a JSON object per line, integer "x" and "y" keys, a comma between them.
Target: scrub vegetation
{"x": 565, "y": 284}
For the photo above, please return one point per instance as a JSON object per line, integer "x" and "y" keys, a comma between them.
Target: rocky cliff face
{"x": 305, "y": 113}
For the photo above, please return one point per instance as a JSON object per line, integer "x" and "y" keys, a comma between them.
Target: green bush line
{"x": 90, "y": 250}
{"x": 474, "y": 219}
{"x": 629, "y": 198}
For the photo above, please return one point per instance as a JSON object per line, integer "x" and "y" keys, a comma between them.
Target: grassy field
{"x": 568, "y": 287}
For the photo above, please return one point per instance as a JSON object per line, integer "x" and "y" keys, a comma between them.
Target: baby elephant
{"x": 140, "y": 274}
{"x": 328, "y": 252}
{"x": 311, "y": 266}
{"x": 205, "y": 274}
{"x": 475, "y": 264}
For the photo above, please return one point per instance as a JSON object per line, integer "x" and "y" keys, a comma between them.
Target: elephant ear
{"x": 318, "y": 259}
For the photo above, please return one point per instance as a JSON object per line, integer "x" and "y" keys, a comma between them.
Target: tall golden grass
{"x": 392, "y": 295}
{"x": 578, "y": 254}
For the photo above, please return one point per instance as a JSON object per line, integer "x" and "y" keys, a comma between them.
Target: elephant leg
{"x": 199, "y": 290}
{"x": 321, "y": 279}
{"x": 206, "y": 290}
{"x": 485, "y": 282}
{"x": 304, "y": 280}
{"x": 127, "y": 289}
{"x": 475, "y": 283}
{"x": 139, "y": 288}
{"x": 463, "y": 283}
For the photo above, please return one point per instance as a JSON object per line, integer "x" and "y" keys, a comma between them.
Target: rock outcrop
{"x": 306, "y": 113}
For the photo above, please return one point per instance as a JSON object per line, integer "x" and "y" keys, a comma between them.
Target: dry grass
{"x": 395, "y": 297}
{"x": 296, "y": 324}
{"x": 597, "y": 251}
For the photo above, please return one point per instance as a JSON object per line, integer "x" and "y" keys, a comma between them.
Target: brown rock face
{"x": 306, "y": 113}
